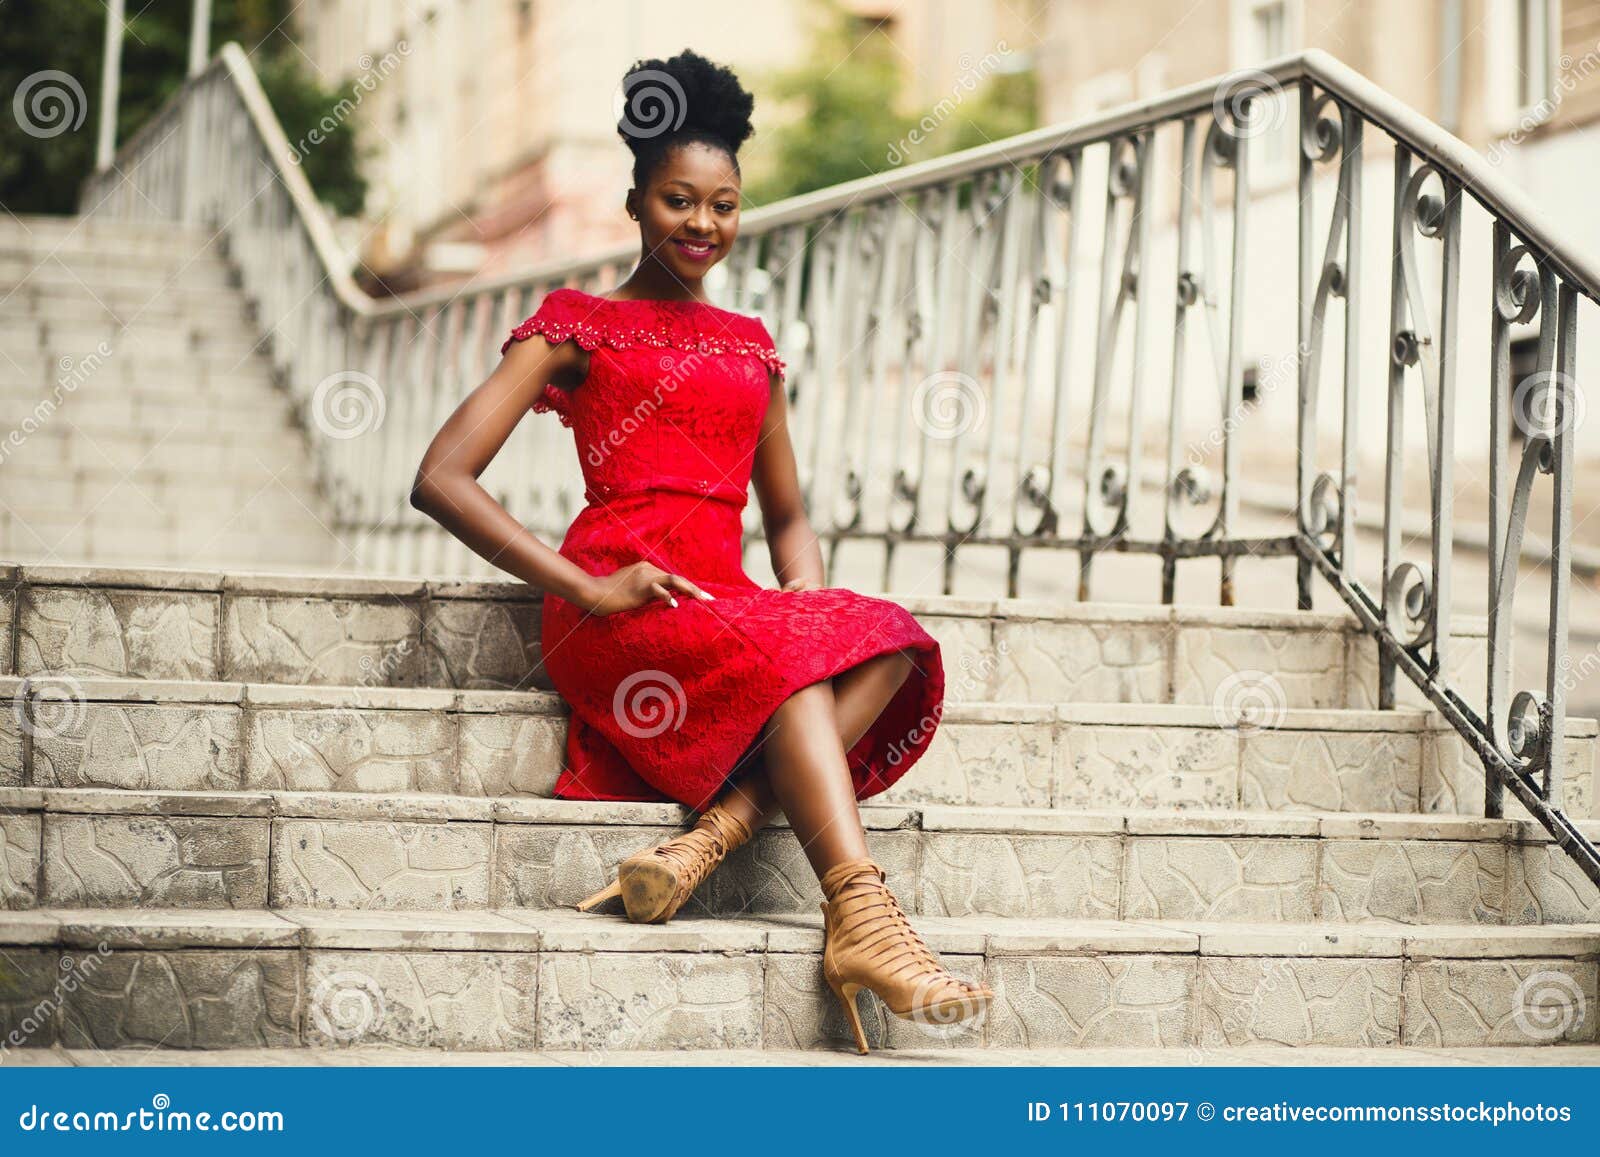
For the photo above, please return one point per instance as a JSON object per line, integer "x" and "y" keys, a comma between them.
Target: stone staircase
{"x": 142, "y": 421}
{"x": 245, "y": 810}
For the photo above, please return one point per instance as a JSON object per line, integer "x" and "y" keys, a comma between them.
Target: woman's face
{"x": 689, "y": 212}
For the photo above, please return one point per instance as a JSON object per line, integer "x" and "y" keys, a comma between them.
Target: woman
{"x": 686, "y": 679}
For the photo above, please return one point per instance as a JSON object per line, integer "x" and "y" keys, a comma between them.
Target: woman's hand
{"x": 635, "y": 585}
{"x": 801, "y": 584}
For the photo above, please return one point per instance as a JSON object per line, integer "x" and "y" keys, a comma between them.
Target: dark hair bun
{"x": 670, "y": 102}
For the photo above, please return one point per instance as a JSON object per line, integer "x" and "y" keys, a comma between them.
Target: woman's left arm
{"x": 796, "y": 555}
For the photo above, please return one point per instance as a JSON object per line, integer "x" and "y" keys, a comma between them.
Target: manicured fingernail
{"x": 673, "y": 601}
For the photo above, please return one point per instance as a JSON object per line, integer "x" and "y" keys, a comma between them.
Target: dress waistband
{"x": 598, "y": 494}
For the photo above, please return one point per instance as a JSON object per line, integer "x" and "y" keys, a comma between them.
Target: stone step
{"x": 296, "y": 547}
{"x": 157, "y": 312}
{"x": 392, "y": 1056}
{"x": 65, "y": 443}
{"x": 47, "y": 272}
{"x": 51, "y": 298}
{"x": 103, "y": 402}
{"x": 231, "y": 736}
{"x": 151, "y": 500}
{"x": 66, "y": 370}
{"x": 39, "y": 228}
{"x": 169, "y": 483}
{"x": 98, "y": 251}
{"x": 178, "y": 437}
{"x": 418, "y": 852}
{"x": 513, "y": 979}
{"x": 93, "y": 255}
{"x": 173, "y": 339}
{"x": 132, "y": 514}
{"x": 397, "y": 631}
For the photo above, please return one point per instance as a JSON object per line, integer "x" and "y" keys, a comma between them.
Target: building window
{"x": 1263, "y": 30}
{"x": 1270, "y": 28}
{"x": 1250, "y": 387}
{"x": 1536, "y": 25}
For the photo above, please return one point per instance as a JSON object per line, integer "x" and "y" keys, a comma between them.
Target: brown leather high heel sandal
{"x": 870, "y": 944}
{"x": 656, "y": 882}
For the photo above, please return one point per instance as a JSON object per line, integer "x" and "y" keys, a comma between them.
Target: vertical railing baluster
{"x": 1017, "y": 208}
{"x": 1310, "y": 295}
{"x": 1067, "y": 297}
{"x": 1132, "y": 180}
{"x": 1188, "y": 295}
{"x": 1039, "y": 285}
{"x": 1351, "y": 196}
{"x": 1228, "y": 516}
{"x": 1445, "y": 419}
{"x": 1393, "y": 476}
{"x": 1564, "y": 414}
{"x": 1504, "y": 308}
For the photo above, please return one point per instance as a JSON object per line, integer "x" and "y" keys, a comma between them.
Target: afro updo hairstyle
{"x": 669, "y": 103}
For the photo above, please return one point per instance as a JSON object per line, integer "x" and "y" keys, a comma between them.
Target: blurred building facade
{"x": 493, "y": 145}
{"x": 1518, "y": 80}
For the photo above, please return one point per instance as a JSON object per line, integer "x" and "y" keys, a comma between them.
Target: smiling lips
{"x": 694, "y": 250}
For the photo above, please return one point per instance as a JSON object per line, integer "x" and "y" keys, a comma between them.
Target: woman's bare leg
{"x": 860, "y": 695}
{"x": 810, "y": 779}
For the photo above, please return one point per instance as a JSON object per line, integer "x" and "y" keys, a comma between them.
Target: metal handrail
{"x": 1486, "y": 184}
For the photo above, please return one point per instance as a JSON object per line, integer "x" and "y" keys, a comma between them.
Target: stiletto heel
{"x": 868, "y": 943}
{"x": 847, "y": 997}
{"x": 609, "y": 892}
{"x": 655, "y": 883}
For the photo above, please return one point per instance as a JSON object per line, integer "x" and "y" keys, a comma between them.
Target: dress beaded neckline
{"x": 691, "y": 326}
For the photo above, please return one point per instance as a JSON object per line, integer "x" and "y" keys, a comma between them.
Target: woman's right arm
{"x": 447, "y": 488}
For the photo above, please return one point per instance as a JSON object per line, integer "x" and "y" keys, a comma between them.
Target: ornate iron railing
{"x": 942, "y": 324}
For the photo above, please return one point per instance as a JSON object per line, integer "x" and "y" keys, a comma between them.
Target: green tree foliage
{"x": 850, "y": 121}
{"x": 42, "y": 173}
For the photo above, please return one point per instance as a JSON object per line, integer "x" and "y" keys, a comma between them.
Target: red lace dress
{"x": 667, "y": 702}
